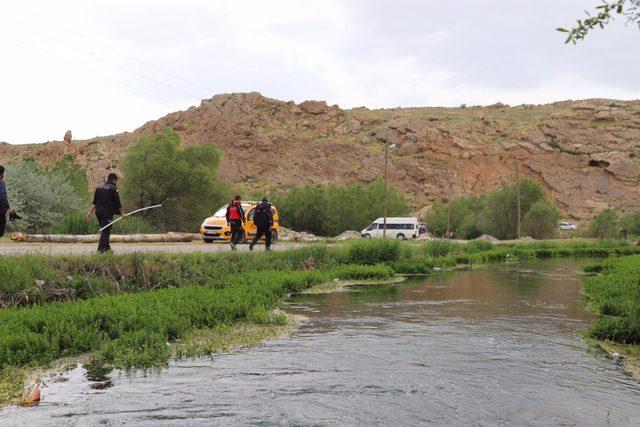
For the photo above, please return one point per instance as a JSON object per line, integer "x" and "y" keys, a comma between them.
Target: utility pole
{"x": 386, "y": 160}
{"x": 518, "y": 197}
{"x": 446, "y": 234}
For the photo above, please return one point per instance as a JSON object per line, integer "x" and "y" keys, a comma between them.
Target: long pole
{"x": 129, "y": 214}
{"x": 384, "y": 221}
{"x": 518, "y": 197}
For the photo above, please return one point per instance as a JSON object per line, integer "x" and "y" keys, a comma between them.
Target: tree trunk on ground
{"x": 115, "y": 238}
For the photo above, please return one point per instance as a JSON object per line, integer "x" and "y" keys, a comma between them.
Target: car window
{"x": 221, "y": 213}
{"x": 250, "y": 215}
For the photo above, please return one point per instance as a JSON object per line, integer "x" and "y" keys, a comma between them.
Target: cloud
{"x": 89, "y": 67}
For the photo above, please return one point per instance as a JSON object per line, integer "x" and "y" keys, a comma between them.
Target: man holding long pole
{"x": 4, "y": 203}
{"x": 106, "y": 204}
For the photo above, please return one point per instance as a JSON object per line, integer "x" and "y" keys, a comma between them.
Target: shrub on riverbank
{"x": 133, "y": 330}
{"x": 614, "y": 293}
{"x": 32, "y": 279}
{"x": 374, "y": 251}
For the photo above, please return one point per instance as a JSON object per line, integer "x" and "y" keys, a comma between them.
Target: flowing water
{"x": 497, "y": 345}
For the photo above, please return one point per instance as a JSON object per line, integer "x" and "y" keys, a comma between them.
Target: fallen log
{"x": 115, "y": 238}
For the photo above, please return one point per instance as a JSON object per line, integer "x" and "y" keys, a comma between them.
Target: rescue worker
{"x": 106, "y": 204}
{"x": 235, "y": 219}
{"x": 4, "y": 203}
{"x": 263, "y": 219}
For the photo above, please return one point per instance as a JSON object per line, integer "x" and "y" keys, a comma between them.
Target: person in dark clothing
{"x": 4, "y": 203}
{"x": 235, "y": 219}
{"x": 263, "y": 219}
{"x": 106, "y": 204}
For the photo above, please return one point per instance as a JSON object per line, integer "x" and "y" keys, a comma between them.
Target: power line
{"x": 120, "y": 66}
{"x": 110, "y": 81}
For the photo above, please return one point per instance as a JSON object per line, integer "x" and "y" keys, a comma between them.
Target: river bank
{"x": 613, "y": 291}
{"x": 497, "y": 344}
{"x": 131, "y": 311}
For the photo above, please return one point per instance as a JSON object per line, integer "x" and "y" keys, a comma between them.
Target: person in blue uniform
{"x": 106, "y": 204}
{"x": 4, "y": 203}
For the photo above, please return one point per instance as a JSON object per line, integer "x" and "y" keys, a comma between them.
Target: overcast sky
{"x": 106, "y": 66}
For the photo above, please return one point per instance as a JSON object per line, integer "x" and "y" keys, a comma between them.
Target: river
{"x": 498, "y": 345}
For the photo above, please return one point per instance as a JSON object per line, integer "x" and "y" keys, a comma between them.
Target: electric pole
{"x": 518, "y": 198}
{"x": 386, "y": 159}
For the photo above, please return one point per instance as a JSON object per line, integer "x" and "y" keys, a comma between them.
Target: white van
{"x": 397, "y": 228}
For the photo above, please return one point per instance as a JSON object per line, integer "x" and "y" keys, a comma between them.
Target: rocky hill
{"x": 584, "y": 152}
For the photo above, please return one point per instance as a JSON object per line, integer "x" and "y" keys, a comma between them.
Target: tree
{"x": 540, "y": 221}
{"x": 41, "y": 197}
{"x": 330, "y": 210}
{"x": 604, "y": 225}
{"x": 500, "y": 213}
{"x": 605, "y": 13}
{"x": 631, "y": 223}
{"x": 158, "y": 171}
{"x": 463, "y": 219}
{"x": 74, "y": 174}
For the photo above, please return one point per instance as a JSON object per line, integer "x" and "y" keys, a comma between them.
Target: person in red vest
{"x": 235, "y": 219}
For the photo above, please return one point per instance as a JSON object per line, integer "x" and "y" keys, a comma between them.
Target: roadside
{"x": 8, "y": 247}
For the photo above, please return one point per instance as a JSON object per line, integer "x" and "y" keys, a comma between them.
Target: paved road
{"x": 10, "y": 248}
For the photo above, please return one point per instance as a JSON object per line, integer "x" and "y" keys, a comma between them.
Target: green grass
{"x": 135, "y": 329}
{"x": 614, "y": 294}
{"x": 75, "y": 224}
{"x": 39, "y": 279}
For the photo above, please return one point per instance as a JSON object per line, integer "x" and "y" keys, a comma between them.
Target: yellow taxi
{"x": 215, "y": 228}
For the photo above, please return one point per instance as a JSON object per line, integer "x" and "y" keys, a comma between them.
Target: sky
{"x": 106, "y": 66}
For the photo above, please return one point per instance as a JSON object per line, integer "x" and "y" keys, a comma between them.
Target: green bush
{"x": 438, "y": 248}
{"x": 132, "y": 330}
{"x": 75, "y": 223}
{"x": 42, "y": 198}
{"x": 478, "y": 246}
{"x": 614, "y": 293}
{"x": 496, "y": 213}
{"x": 156, "y": 170}
{"x": 540, "y": 221}
{"x": 499, "y": 214}
{"x": 463, "y": 219}
{"x": 330, "y": 210}
{"x": 75, "y": 175}
{"x": 374, "y": 251}
{"x": 604, "y": 225}
{"x": 631, "y": 223}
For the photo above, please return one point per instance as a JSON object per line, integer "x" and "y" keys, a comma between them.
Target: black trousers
{"x": 236, "y": 231}
{"x": 263, "y": 230}
{"x": 105, "y": 234}
{"x": 3, "y": 223}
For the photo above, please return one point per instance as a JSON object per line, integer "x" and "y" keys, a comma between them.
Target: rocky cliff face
{"x": 583, "y": 152}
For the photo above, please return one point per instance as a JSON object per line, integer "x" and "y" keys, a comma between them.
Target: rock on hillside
{"x": 583, "y": 152}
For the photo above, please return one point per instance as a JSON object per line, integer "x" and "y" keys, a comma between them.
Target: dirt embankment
{"x": 583, "y": 152}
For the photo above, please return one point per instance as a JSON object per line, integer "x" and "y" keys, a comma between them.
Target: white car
{"x": 397, "y": 228}
{"x": 567, "y": 226}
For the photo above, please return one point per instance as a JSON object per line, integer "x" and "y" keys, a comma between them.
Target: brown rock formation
{"x": 584, "y": 152}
